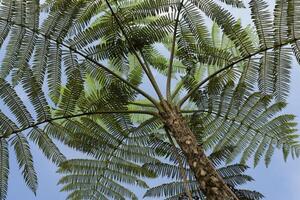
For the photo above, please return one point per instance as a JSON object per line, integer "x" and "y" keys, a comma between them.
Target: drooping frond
{"x": 117, "y": 157}
{"x": 25, "y": 161}
{"x": 293, "y": 26}
{"x": 49, "y": 149}
{"x": 4, "y": 168}
{"x": 250, "y": 123}
{"x": 14, "y": 102}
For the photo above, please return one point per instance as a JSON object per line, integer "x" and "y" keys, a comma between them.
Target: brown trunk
{"x": 211, "y": 183}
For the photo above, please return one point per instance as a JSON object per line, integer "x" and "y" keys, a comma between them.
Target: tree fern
{"x": 224, "y": 95}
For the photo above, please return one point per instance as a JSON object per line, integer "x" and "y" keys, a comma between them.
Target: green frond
{"x": 230, "y": 27}
{"x": 71, "y": 93}
{"x": 282, "y": 73}
{"x": 49, "y": 149}
{"x": 6, "y": 12}
{"x": 54, "y": 72}
{"x": 103, "y": 176}
{"x": 269, "y": 153}
{"x": 293, "y": 25}
{"x": 23, "y": 57}
{"x": 25, "y": 161}
{"x": 21, "y": 41}
{"x": 12, "y": 50}
{"x": 110, "y": 188}
{"x": 192, "y": 18}
{"x": 91, "y": 9}
{"x": 153, "y": 8}
{"x": 36, "y": 96}
{"x": 249, "y": 194}
{"x": 13, "y": 101}
{"x": 40, "y": 58}
{"x": 249, "y": 123}
{"x": 263, "y": 22}
{"x": 86, "y": 194}
{"x": 7, "y": 126}
{"x": 266, "y": 70}
{"x": 219, "y": 157}
{"x": 4, "y": 168}
{"x": 281, "y": 22}
{"x": 116, "y": 145}
{"x": 169, "y": 189}
{"x": 237, "y": 179}
{"x": 282, "y": 55}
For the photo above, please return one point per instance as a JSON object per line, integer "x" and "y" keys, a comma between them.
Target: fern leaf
{"x": 25, "y": 161}
{"x": 9, "y": 96}
{"x": 263, "y": 23}
{"x": 4, "y": 168}
{"x": 49, "y": 149}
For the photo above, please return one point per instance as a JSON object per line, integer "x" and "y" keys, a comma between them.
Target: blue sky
{"x": 278, "y": 182}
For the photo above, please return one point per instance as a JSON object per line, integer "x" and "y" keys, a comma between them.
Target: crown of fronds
{"x": 116, "y": 43}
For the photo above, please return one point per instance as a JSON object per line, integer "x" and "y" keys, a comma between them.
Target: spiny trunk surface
{"x": 211, "y": 183}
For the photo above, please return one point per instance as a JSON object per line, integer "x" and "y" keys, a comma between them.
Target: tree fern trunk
{"x": 211, "y": 183}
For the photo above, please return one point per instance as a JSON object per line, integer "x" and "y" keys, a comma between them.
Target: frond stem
{"x": 80, "y": 115}
{"x": 178, "y": 88}
{"x": 142, "y": 104}
{"x": 170, "y": 68}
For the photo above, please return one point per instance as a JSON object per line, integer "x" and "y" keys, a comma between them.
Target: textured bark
{"x": 211, "y": 183}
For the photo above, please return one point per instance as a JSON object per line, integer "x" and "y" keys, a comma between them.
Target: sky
{"x": 280, "y": 181}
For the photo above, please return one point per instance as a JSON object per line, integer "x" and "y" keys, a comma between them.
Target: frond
{"x": 249, "y": 123}
{"x": 36, "y": 96}
{"x": 230, "y": 27}
{"x": 25, "y": 161}
{"x": 293, "y": 26}
{"x": 263, "y": 22}
{"x": 49, "y": 149}
{"x": 7, "y": 126}
{"x": 118, "y": 148}
{"x": 71, "y": 94}
{"x": 4, "y": 168}
{"x": 13, "y": 101}
{"x": 170, "y": 189}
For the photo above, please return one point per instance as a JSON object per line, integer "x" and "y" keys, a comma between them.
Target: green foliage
{"x": 25, "y": 161}
{"x": 4, "y": 168}
{"x": 233, "y": 175}
{"x": 227, "y": 117}
{"x": 92, "y": 58}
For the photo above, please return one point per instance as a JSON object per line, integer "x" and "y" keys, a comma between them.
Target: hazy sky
{"x": 281, "y": 181}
